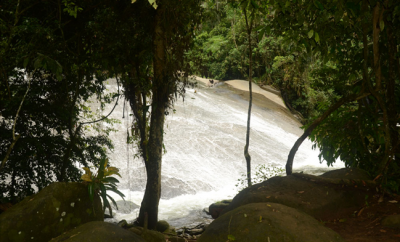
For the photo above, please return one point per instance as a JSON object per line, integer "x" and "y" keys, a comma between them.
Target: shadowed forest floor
{"x": 364, "y": 225}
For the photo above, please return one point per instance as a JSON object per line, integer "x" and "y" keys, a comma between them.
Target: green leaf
{"x": 319, "y": 5}
{"x": 261, "y": 34}
{"x": 26, "y": 61}
{"x": 153, "y": 3}
{"x": 110, "y": 179}
{"x": 231, "y": 237}
{"x": 113, "y": 201}
{"x": 117, "y": 192}
{"x": 100, "y": 172}
{"x": 317, "y": 38}
{"x": 38, "y": 63}
{"x": 382, "y": 24}
{"x": 255, "y": 5}
{"x": 103, "y": 194}
{"x": 310, "y": 34}
{"x": 91, "y": 192}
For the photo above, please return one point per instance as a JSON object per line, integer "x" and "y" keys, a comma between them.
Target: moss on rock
{"x": 54, "y": 210}
{"x": 265, "y": 222}
{"x": 98, "y": 231}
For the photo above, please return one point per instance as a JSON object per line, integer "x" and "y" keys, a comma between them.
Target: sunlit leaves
{"x": 317, "y": 37}
{"x": 310, "y": 33}
{"x": 102, "y": 182}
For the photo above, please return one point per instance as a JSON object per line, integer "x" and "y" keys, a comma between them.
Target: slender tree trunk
{"x": 246, "y": 147}
{"x": 390, "y": 86}
{"x": 377, "y": 17}
{"x": 307, "y": 132}
{"x": 377, "y": 91}
{"x": 160, "y": 91}
{"x": 73, "y": 132}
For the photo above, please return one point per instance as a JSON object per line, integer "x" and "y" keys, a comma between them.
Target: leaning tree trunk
{"x": 160, "y": 91}
{"x": 307, "y": 132}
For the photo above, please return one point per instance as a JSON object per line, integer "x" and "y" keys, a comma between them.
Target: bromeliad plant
{"x": 102, "y": 182}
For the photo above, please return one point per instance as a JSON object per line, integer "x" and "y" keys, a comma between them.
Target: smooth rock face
{"x": 98, "y": 231}
{"x": 259, "y": 222}
{"x": 315, "y": 199}
{"x": 54, "y": 210}
{"x": 391, "y": 221}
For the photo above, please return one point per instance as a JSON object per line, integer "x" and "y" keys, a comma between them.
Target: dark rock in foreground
{"x": 391, "y": 221}
{"x": 216, "y": 208}
{"x": 259, "y": 222}
{"x": 316, "y": 196}
{"x": 98, "y": 232}
{"x": 148, "y": 235}
{"x": 162, "y": 226}
{"x": 54, "y": 210}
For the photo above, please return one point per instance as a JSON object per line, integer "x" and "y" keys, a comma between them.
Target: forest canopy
{"x": 335, "y": 62}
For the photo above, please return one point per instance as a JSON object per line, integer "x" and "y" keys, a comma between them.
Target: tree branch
{"x": 307, "y": 132}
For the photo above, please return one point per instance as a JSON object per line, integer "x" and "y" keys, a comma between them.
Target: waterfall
{"x": 204, "y": 142}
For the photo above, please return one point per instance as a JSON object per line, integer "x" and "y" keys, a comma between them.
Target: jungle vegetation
{"x": 336, "y": 63}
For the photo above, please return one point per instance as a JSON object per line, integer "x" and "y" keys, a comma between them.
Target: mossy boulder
{"x": 267, "y": 222}
{"x": 216, "y": 208}
{"x": 148, "y": 235}
{"x": 54, "y": 210}
{"x": 162, "y": 226}
{"x": 98, "y": 231}
{"x": 317, "y": 198}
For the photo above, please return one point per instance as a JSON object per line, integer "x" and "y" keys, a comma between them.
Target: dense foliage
{"x": 54, "y": 59}
{"x": 221, "y": 52}
{"x": 336, "y": 62}
{"x": 48, "y": 55}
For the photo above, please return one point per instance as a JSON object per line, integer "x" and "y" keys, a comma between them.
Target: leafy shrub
{"x": 101, "y": 182}
{"x": 263, "y": 173}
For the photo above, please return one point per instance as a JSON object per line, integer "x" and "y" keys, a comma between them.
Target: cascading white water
{"x": 204, "y": 140}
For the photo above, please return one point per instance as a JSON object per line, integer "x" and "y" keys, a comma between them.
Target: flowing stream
{"x": 204, "y": 141}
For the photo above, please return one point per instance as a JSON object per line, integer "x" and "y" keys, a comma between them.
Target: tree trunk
{"x": 390, "y": 86}
{"x": 160, "y": 91}
{"x": 246, "y": 147}
{"x": 307, "y": 132}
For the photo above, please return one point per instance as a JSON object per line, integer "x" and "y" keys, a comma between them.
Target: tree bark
{"x": 307, "y": 132}
{"x": 390, "y": 87}
{"x": 160, "y": 91}
{"x": 246, "y": 147}
{"x": 377, "y": 17}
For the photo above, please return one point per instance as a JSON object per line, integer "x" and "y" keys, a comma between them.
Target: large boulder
{"x": 216, "y": 208}
{"x": 319, "y": 197}
{"x": 54, "y": 210}
{"x": 148, "y": 235}
{"x": 98, "y": 231}
{"x": 162, "y": 226}
{"x": 259, "y": 222}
